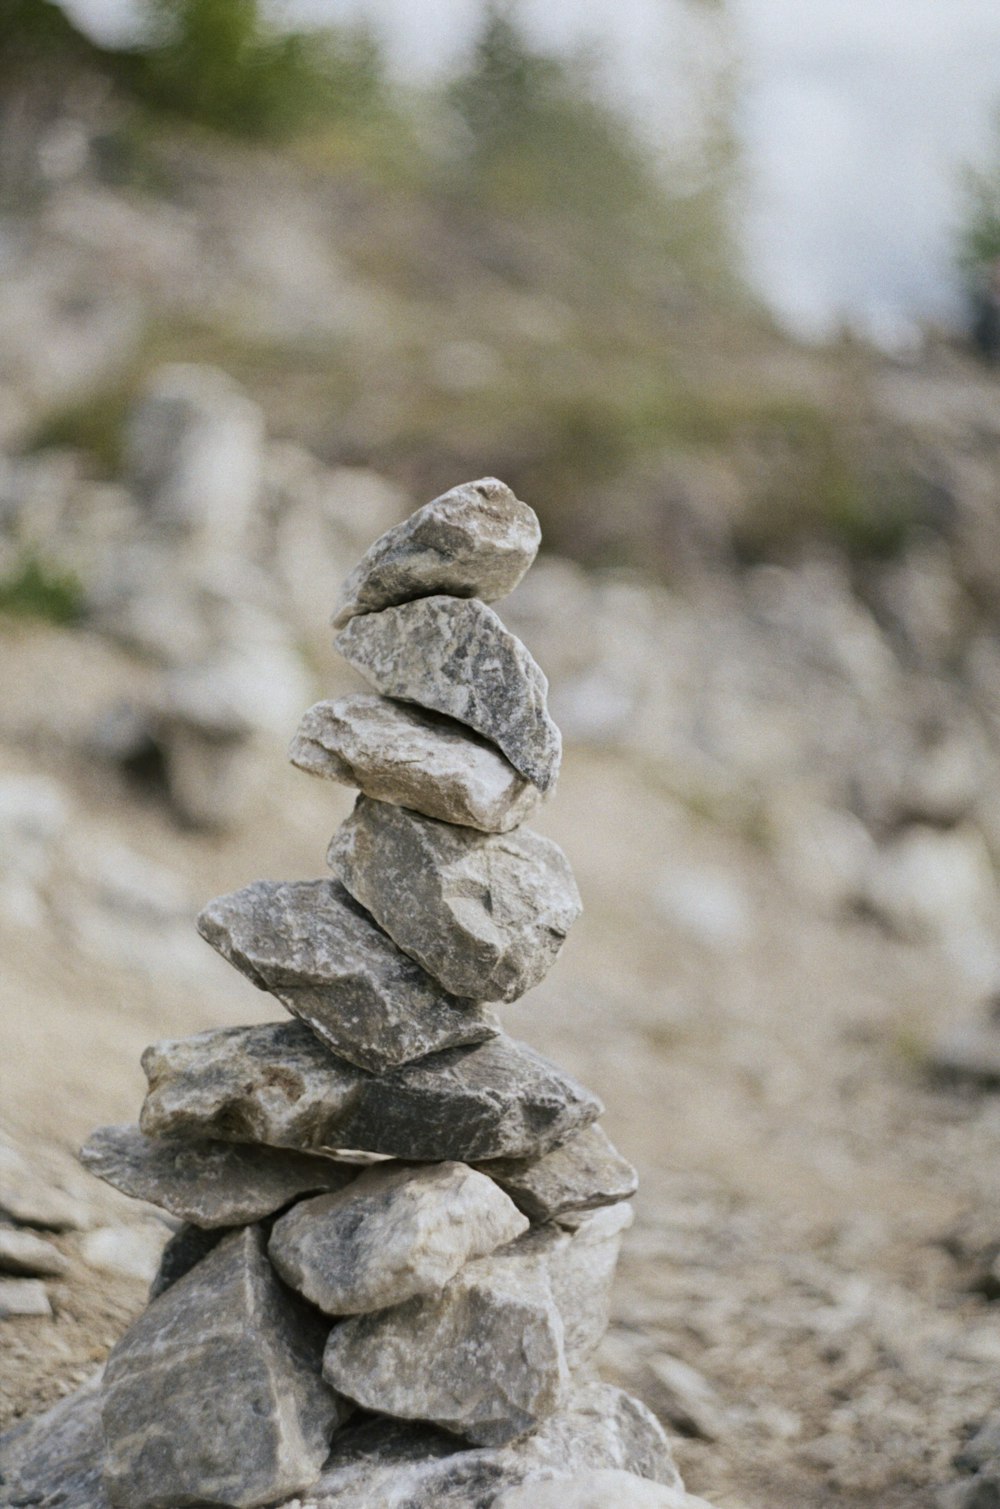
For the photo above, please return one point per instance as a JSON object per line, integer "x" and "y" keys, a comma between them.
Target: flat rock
{"x": 23, "y": 1253}
{"x": 214, "y": 1394}
{"x": 30, "y": 1198}
{"x": 312, "y": 946}
{"x": 399, "y": 753}
{"x": 397, "y": 1232}
{"x": 483, "y": 1359}
{"x": 381, "y": 1463}
{"x": 486, "y": 914}
{"x": 56, "y": 1460}
{"x": 277, "y": 1084}
{"x": 455, "y": 657}
{"x": 24, "y": 1296}
{"x": 477, "y": 540}
{"x": 585, "y": 1172}
{"x": 208, "y": 1183}
{"x": 605, "y": 1489}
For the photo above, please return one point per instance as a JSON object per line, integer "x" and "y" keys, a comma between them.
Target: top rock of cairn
{"x": 453, "y": 1281}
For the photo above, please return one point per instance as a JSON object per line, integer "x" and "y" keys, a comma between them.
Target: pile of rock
{"x": 399, "y": 1225}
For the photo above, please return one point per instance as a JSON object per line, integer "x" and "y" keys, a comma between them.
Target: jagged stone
{"x": 581, "y": 1267}
{"x": 455, "y": 657}
{"x": 56, "y": 1460}
{"x": 397, "y": 1232}
{"x": 484, "y": 1358}
{"x": 277, "y": 1084}
{"x": 583, "y": 1173}
{"x": 388, "y": 1464}
{"x": 477, "y": 540}
{"x": 208, "y": 1183}
{"x": 22, "y": 1252}
{"x": 402, "y": 754}
{"x": 185, "y": 1248}
{"x": 312, "y": 946}
{"x": 214, "y": 1394}
{"x": 486, "y": 914}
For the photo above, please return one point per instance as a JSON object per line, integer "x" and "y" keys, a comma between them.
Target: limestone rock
{"x": 597, "y": 1490}
{"x": 185, "y": 1248}
{"x": 486, "y": 914}
{"x": 385, "y": 1464}
{"x": 213, "y": 1395}
{"x": 477, "y": 540}
{"x": 23, "y": 1252}
{"x": 456, "y": 657}
{"x": 277, "y": 1084}
{"x": 208, "y": 1183}
{"x": 582, "y": 1174}
{"x": 56, "y": 1460}
{"x": 313, "y": 947}
{"x": 402, "y": 754}
{"x": 581, "y": 1267}
{"x": 484, "y": 1358}
{"x": 397, "y": 1232}
{"x": 24, "y": 1296}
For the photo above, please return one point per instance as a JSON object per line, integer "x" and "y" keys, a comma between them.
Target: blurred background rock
{"x": 262, "y": 292}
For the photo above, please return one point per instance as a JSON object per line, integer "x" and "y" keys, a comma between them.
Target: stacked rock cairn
{"x": 400, "y": 1225}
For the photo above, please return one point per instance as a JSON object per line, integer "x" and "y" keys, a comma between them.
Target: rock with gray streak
{"x": 477, "y": 540}
{"x": 456, "y": 657}
{"x": 208, "y": 1183}
{"x": 313, "y": 947}
{"x": 24, "y": 1296}
{"x": 483, "y": 1359}
{"x": 605, "y": 1489}
{"x": 584, "y": 1173}
{"x": 387, "y": 1464}
{"x": 214, "y": 1394}
{"x": 402, "y": 754}
{"x": 277, "y": 1084}
{"x": 581, "y": 1267}
{"x": 22, "y": 1252}
{"x": 186, "y": 1248}
{"x": 56, "y": 1460}
{"x": 486, "y": 914}
{"x": 397, "y": 1232}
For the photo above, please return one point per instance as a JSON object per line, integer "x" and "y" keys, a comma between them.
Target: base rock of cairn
{"x": 400, "y": 1226}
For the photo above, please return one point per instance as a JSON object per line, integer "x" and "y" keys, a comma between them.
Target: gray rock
{"x": 484, "y": 1358}
{"x": 24, "y": 1296}
{"x": 313, "y": 947}
{"x": 22, "y": 1252}
{"x": 596, "y": 1490}
{"x": 56, "y": 1461}
{"x": 208, "y": 1183}
{"x": 477, "y": 540}
{"x": 213, "y": 1395}
{"x": 402, "y": 754}
{"x": 397, "y": 1232}
{"x": 29, "y": 1197}
{"x": 456, "y": 657}
{"x": 186, "y": 1248}
{"x": 389, "y": 1464}
{"x": 582, "y": 1174}
{"x": 277, "y": 1084}
{"x": 486, "y": 914}
{"x": 581, "y": 1267}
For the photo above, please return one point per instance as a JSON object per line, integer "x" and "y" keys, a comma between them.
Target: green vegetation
{"x": 35, "y": 589}
{"x": 979, "y": 225}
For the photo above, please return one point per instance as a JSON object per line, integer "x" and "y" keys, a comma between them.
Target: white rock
{"x": 23, "y": 1296}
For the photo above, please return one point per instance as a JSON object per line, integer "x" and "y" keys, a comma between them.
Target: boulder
{"x": 581, "y": 1174}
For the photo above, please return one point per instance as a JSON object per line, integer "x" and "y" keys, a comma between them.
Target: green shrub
{"x": 35, "y": 589}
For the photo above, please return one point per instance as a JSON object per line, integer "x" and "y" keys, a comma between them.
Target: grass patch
{"x": 37, "y": 589}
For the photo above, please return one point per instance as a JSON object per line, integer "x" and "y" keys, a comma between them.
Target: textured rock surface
{"x": 185, "y": 1248}
{"x": 208, "y": 1183}
{"x": 486, "y": 914}
{"x": 402, "y": 754}
{"x": 389, "y": 1464}
{"x": 605, "y": 1489}
{"x": 277, "y": 1084}
{"x": 56, "y": 1461}
{"x": 483, "y": 1359}
{"x": 457, "y": 658}
{"x": 320, "y": 954}
{"x": 584, "y": 1173}
{"x": 581, "y": 1266}
{"x": 213, "y": 1395}
{"x": 395, "y": 1233}
{"x": 477, "y": 540}
{"x": 23, "y": 1252}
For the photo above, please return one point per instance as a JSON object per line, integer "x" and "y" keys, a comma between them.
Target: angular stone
{"x": 277, "y": 1084}
{"x": 483, "y": 1359}
{"x": 22, "y": 1252}
{"x": 455, "y": 657}
{"x": 584, "y": 1173}
{"x": 486, "y": 914}
{"x": 386, "y": 1464}
{"x": 399, "y": 753}
{"x": 597, "y": 1490}
{"x": 321, "y": 955}
{"x": 477, "y": 540}
{"x": 56, "y": 1460}
{"x": 396, "y": 1233}
{"x": 185, "y": 1248}
{"x": 581, "y": 1267}
{"x": 208, "y": 1183}
{"x": 214, "y": 1394}
{"x": 24, "y": 1296}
